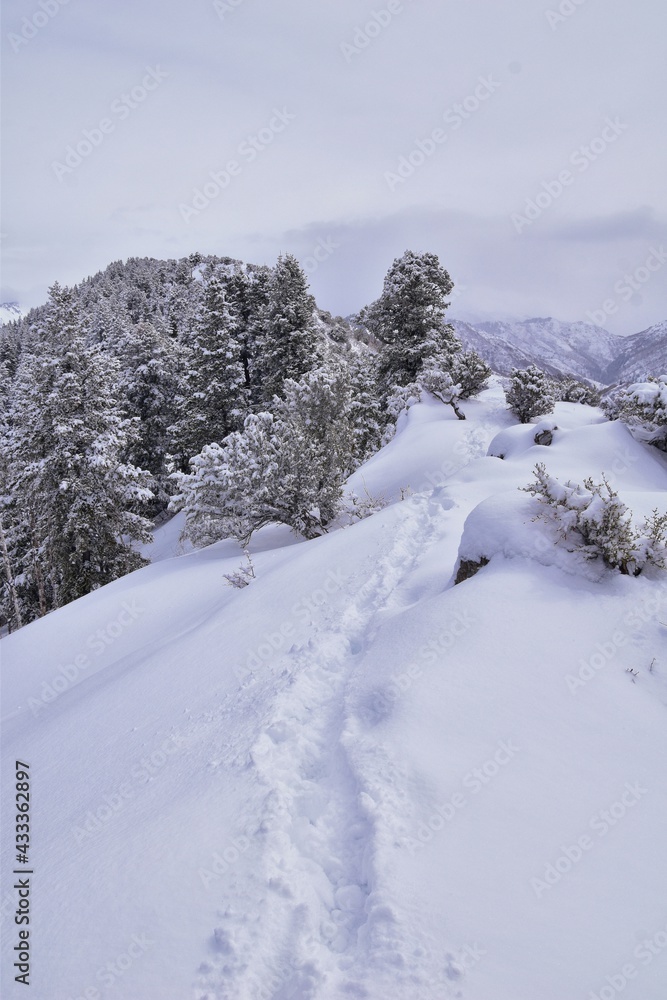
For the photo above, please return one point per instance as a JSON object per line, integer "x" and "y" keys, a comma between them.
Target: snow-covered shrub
{"x": 437, "y": 380}
{"x": 359, "y": 507}
{"x": 643, "y": 407}
{"x": 594, "y": 520}
{"x": 570, "y": 390}
{"x": 399, "y": 401}
{"x": 242, "y": 576}
{"x": 529, "y": 393}
{"x": 470, "y": 372}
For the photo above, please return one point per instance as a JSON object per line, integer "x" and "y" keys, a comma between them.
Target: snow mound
{"x": 506, "y": 525}
{"x": 518, "y": 439}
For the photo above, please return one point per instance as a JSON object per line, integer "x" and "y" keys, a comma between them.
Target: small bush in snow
{"x": 569, "y": 390}
{"x": 440, "y": 383}
{"x": 594, "y": 520}
{"x": 399, "y": 401}
{"x": 529, "y": 394}
{"x": 643, "y": 407}
{"x": 358, "y": 507}
{"x": 470, "y": 372}
{"x": 242, "y": 576}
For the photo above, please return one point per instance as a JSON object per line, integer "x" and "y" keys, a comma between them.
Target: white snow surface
{"x": 352, "y": 779}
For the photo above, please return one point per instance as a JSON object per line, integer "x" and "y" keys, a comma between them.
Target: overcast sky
{"x": 345, "y": 131}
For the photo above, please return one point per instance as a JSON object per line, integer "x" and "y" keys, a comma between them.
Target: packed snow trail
{"x": 328, "y": 916}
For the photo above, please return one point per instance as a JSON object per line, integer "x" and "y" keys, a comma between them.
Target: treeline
{"x": 216, "y": 388}
{"x": 202, "y": 384}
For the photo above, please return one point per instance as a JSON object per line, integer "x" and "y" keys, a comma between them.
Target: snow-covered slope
{"x": 579, "y": 349}
{"x": 10, "y": 311}
{"x": 499, "y": 353}
{"x": 643, "y": 354}
{"x": 351, "y": 778}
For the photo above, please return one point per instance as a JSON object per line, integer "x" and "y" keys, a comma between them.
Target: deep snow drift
{"x": 353, "y": 779}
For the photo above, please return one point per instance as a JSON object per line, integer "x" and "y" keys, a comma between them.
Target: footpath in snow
{"x": 353, "y": 779}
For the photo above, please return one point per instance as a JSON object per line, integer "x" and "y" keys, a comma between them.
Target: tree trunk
{"x": 10, "y": 578}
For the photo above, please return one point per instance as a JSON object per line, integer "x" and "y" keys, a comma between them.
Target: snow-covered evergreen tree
{"x": 150, "y": 381}
{"x": 287, "y": 343}
{"x": 570, "y": 390}
{"x": 408, "y": 318}
{"x": 440, "y": 383}
{"x": 470, "y": 372}
{"x": 529, "y": 393}
{"x": 74, "y": 501}
{"x": 248, "y": 296}
{"x": 214, "y": 399}
{"x": 367, "y": 414}
{"x": 286, "y": 467}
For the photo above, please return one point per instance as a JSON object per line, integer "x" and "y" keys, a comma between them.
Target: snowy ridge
{"x": 352, "y": 779}
{"x": 326, "y": 818}
{"x": 643, "y": 354}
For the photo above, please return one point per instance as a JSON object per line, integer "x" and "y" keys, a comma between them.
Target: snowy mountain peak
{"x": 580, "y": 349}
{"x": 10, "y": 311}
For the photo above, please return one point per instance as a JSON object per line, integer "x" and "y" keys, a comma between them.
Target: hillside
{"x": 643, "y": 352}
{"x": 352, "y": 778}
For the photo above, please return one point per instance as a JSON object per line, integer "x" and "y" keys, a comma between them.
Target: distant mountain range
{"x": 579, "y": 349}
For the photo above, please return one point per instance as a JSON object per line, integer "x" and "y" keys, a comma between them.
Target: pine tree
{"x": 367, "y": 414}
{"x": 214, "y": 399}
{"x": 76, "y": 502}
{"x": 529, "y": 394}
{"x": 408, "y": 318}
{"x": 248, "y": 295}
{"x": 150, "y": 373}
{"x": 285, "y": 467}
{"x": 288, "y": 344}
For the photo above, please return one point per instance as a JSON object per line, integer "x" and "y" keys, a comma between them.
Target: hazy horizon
{"x": 522, "y": 146}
